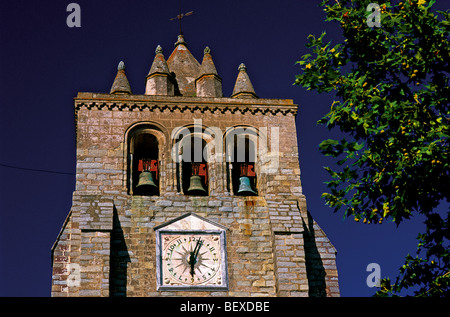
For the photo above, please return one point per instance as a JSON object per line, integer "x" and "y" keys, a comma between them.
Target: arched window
{"x": 191, "y": 153}
{"x": 194, "y": 168}
{"x": 143, "y": 162}
{"x": 241, "y": 161}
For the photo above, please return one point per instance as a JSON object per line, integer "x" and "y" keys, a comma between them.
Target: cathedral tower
{"x": 182, "y": 191}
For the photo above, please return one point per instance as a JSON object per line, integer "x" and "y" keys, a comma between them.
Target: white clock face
{"x": 191, "y": 254}
{"x": 191, "y": 259}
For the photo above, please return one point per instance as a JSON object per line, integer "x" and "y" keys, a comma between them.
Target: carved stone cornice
{"x": 184, "y": 104}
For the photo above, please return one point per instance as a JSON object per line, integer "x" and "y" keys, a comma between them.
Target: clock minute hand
{"x": 197, "y": 248}
{"x": 193, "y": 256}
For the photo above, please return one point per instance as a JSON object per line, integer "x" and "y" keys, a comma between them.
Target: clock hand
{"x": 193, "y": 256}
{"x": 198, "y": 246}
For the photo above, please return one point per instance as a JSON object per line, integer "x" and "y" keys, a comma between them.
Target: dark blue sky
{"x": 44, "y": 63}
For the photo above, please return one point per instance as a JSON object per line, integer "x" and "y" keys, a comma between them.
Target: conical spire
{"x": 208, "y": 84}
{"x": 159, "y": 63}
{"x": 121, "y": 84}
{"x": 207, "y": 67}
{"x": 243, "y": 87}
{"x": 159, "y": 79}
{"x": 185, "y": 67}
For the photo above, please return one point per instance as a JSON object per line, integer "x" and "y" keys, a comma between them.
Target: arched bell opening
{"x": 241, "y": 164}
{"x": 194, "y": 167}
{"x": 144, "y": 164}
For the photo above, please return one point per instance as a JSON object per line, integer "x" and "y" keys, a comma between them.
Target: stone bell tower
{"x": 184, "y": 191}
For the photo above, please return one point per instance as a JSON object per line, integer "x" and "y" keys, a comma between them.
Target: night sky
{"x": 44, "y": 64}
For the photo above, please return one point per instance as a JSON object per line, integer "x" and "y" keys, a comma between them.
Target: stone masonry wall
{"x": 273, "y": 247}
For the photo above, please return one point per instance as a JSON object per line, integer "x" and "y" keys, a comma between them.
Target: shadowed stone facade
{"x": 107, "y": 245}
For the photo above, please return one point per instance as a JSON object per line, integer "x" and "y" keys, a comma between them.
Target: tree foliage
{"x": 427, "y": 274}
{"x": 392, "y": 100}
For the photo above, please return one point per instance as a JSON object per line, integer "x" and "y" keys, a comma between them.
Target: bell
{"x": 244, "y": 187}
{"x": 195, "y": 186}
{"x": 146, "y": 179}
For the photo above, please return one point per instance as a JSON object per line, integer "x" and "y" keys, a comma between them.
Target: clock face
{"x": 191, "y": 254}
{"x": 191, "y": 259}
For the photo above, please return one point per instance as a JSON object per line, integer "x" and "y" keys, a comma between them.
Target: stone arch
{"x": 146, "y": 146}
{"x": 244, "y": 147}
{"x": 192, "y": 153}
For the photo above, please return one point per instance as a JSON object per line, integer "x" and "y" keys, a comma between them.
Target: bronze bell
{"x": 244, "y": 187}
{"x": 195, "y": 186}
{"x": 146, "y": 179}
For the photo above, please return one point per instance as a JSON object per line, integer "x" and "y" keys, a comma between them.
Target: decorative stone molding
{"x": 213, "y": 105}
